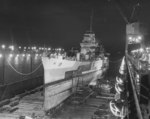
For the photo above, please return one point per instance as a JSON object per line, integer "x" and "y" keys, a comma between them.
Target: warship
{"x": 62, "y": 74}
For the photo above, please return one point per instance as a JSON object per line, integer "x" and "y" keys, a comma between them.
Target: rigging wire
{"x": 121, "y": 12}
{"x": 127, "y": 20}
{"x": 91, "y": 20}
{"x": 26, "y": 74}
{"x": 133, "y": 11}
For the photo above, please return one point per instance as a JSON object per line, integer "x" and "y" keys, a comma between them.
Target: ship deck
{"x": 32, "y": 106}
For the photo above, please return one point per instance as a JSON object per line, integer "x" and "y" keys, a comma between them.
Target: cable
{"x": 121, "y": 12}
{"x": 133, "y": 11}
{"x": 24, "y": 73}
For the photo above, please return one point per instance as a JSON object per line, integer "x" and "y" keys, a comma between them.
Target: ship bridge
{"x": 89, "y": 43}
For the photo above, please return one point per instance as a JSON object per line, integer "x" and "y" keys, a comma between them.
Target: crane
{"x": 133, "y": 16}
{"x": 131, "y": 22}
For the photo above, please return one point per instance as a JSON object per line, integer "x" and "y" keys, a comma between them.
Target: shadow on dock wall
{"x": 19, "y": 74}
{"x": 12, "y": 89}
{"x": 145, "y": 84}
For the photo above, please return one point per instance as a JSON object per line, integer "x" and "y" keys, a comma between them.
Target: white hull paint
{"x": 56, "y": 94}
{"x": 58, "y": 88}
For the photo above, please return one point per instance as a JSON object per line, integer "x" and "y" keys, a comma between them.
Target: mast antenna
{"x": 91, "y": 20}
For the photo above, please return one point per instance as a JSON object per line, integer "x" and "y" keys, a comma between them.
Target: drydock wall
{"x": 19, "y": 74}
{"x": 57, "y": 92}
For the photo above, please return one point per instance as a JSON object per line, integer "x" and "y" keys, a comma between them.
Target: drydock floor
{"x": 92, "y": 109}
{"x": 31, "y": 107}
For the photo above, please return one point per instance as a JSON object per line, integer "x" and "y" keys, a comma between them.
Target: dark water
{"x": 19, "y": 74}
{"x": 145, "y": 89}
{"x": 114, "y": 65}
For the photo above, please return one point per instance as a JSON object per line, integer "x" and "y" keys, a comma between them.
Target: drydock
{"x": 88, "y": 101}
{"x": 38, "y": 81}
{"x": 84, "y": 104}
{"x": 68, "y": 82}
{"x": 111, "y": 90}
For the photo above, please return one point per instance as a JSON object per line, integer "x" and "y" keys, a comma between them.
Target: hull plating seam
{"x": 62, "y": 92}
{"x": 66, "y": 79}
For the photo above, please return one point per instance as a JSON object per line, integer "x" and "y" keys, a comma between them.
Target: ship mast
{"x": 91, "y": 20}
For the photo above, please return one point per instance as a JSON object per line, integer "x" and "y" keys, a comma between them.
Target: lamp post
{"x": 31, "y": 62}
{"x": 3, "y": 64}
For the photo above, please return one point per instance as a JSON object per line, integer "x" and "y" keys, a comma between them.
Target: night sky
{"x": 63, "y": 23}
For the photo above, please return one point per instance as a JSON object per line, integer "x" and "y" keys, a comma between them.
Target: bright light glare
{"x": 138, "y": 76}
{"x": 11, "y": 47}
{"x": 141, "y": 50}
{"x": 0, "y": 55}
{"x": 36, "y": 56}
{"x": 17, "y": 59}
{"x": 10, "y": 55}
{"x": 23, "y": 55}
{"x": 139, "y": 37}
{"x": 3, "y": 46}
{"x": 122, "y": 66}
{"x": 130, "y": 38}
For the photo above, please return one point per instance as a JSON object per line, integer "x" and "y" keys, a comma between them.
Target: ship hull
{"x": 61, "y": 82}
